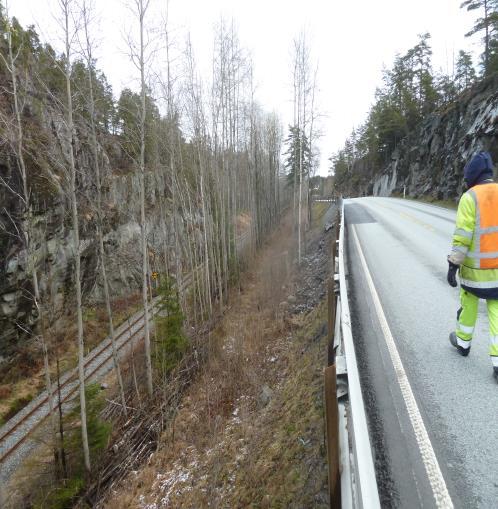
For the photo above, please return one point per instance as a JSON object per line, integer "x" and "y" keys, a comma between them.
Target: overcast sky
{"x": 351, "y": 40}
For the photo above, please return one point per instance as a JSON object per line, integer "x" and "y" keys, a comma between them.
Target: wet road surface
{"x": 404, "y": 245}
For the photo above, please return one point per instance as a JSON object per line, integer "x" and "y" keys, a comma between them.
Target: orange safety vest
{"x": 486, "y": 228}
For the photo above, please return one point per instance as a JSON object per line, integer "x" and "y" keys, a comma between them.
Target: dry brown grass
{"x": 319, "y": 210}
{"x": 5, "y": 391}
{"x": 231, "y": 445}
{"x": 25, "y": 375}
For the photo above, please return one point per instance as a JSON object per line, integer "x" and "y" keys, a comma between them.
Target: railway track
{"x": 98, "y": 362}
{"x": 15, "y": 433}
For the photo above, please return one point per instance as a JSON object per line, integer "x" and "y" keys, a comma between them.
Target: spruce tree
{"x": 487, "y": 23}
{"x": 295, "y": 152}
{"x": 172, "y": 343}
{"x": 465, "y": 74}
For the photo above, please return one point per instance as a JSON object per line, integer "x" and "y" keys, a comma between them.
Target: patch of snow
{"x": 172, "y": 484}
{"x": 144, "y": 504}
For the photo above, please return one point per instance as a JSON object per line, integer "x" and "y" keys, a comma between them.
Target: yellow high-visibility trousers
{"x": 467, "y": 318}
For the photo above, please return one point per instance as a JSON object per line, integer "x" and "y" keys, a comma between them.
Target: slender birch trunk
{"x": 65, "y": 7}
{"x": 142, "y": 7}
{"x": 98, "y": 181}
{"x": 28, "y": 231}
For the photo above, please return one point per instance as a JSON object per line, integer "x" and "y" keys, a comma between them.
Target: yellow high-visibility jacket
{"x": 475, "y": 241}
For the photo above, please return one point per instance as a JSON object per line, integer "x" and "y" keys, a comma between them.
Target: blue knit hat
{"x": 478, "y": 169}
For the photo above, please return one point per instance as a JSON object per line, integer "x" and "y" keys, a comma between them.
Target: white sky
{"x": 351, "y": 41}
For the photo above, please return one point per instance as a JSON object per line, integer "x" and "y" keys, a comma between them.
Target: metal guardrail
{"x": 352, "y": 482}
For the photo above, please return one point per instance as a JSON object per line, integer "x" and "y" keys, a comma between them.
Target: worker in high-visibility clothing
{"x": 475, "y": 253}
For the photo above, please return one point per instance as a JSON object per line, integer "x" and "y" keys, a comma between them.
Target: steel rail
{"x": 362, "y": 481}
{"x": 106, "y": 344}
{"x": 69, "y": 380}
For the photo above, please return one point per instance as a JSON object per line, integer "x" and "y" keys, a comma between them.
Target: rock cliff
{"x": 52, "y": 239}
{"x": 429, "y": 162}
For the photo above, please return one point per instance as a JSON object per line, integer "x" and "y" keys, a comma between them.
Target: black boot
{"x": 462, "y": 351}
{"x": 495, "y": 373}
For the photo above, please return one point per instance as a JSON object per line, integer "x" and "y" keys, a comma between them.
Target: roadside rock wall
{"x": 430, "y": 162}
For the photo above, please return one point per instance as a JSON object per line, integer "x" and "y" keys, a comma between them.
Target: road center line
{"x": 408, "y": 217}
{"x": 438, "y": 485}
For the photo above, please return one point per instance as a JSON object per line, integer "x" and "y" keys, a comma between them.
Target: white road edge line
{"x": 440, "y": 491}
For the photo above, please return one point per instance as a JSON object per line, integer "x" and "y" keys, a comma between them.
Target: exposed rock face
{"x": 52, "y": 240}
{"x": 430, "y": 162}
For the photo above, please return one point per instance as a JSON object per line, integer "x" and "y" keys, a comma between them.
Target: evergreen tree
{"x": 493, "y": 48}
{"x": 447, "y": 88}
{"x": 423, "y": 82}
{"x": 102, "y": 93}
{"x": 400, "y": 90}
{"x": 340, "y": 170}
{"x": 66, "y": 493}
{"x": 298, "y": 154}
{"x": 465, "y": 74}
{"x": 171, "y": 339}
{"x": 487, "y": 23}
{"x": 126, "y": 124}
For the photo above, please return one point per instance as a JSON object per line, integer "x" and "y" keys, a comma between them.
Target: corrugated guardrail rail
{"x": 352, "y": 482}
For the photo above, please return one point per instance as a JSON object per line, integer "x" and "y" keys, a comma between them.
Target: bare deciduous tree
{"x": 27, "y": 229}
{"x": 87, "y": 50}
{"x": 304, "y": 84}
{"x": 69, "y": 30}
{"x": 140, "y": 55}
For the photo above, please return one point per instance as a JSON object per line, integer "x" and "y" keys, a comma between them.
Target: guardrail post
{"x": 331, "y": 308}
{"x": 331, "y": 405}
{"x": 332, "y": 430}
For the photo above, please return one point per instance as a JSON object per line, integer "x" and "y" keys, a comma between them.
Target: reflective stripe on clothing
{"x": 485, "y": 240}
{"x": 467, "y": 329}
{"x": 478, "y": 278}
{"x": 463, "y": 238}
{"x": 491, "y": 229}
{"x": 493, "y": 346}
{"x": 460, "y": 232}
{"x": 467, "y": 317}
{"x": 494, "y": 360}
{"x": 479, "y": 284}
{"x": 476, "y": 240}
{"x": 492, "y": 307}
{"x": 473, "y": 254}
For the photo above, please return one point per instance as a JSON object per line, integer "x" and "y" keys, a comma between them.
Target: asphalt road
{"x": 404, "y": 245}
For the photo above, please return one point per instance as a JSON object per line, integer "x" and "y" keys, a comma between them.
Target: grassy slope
{"x": 249, "y": 432}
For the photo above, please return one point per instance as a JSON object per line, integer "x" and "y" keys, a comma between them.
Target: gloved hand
{"x": 451, "y": 277}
